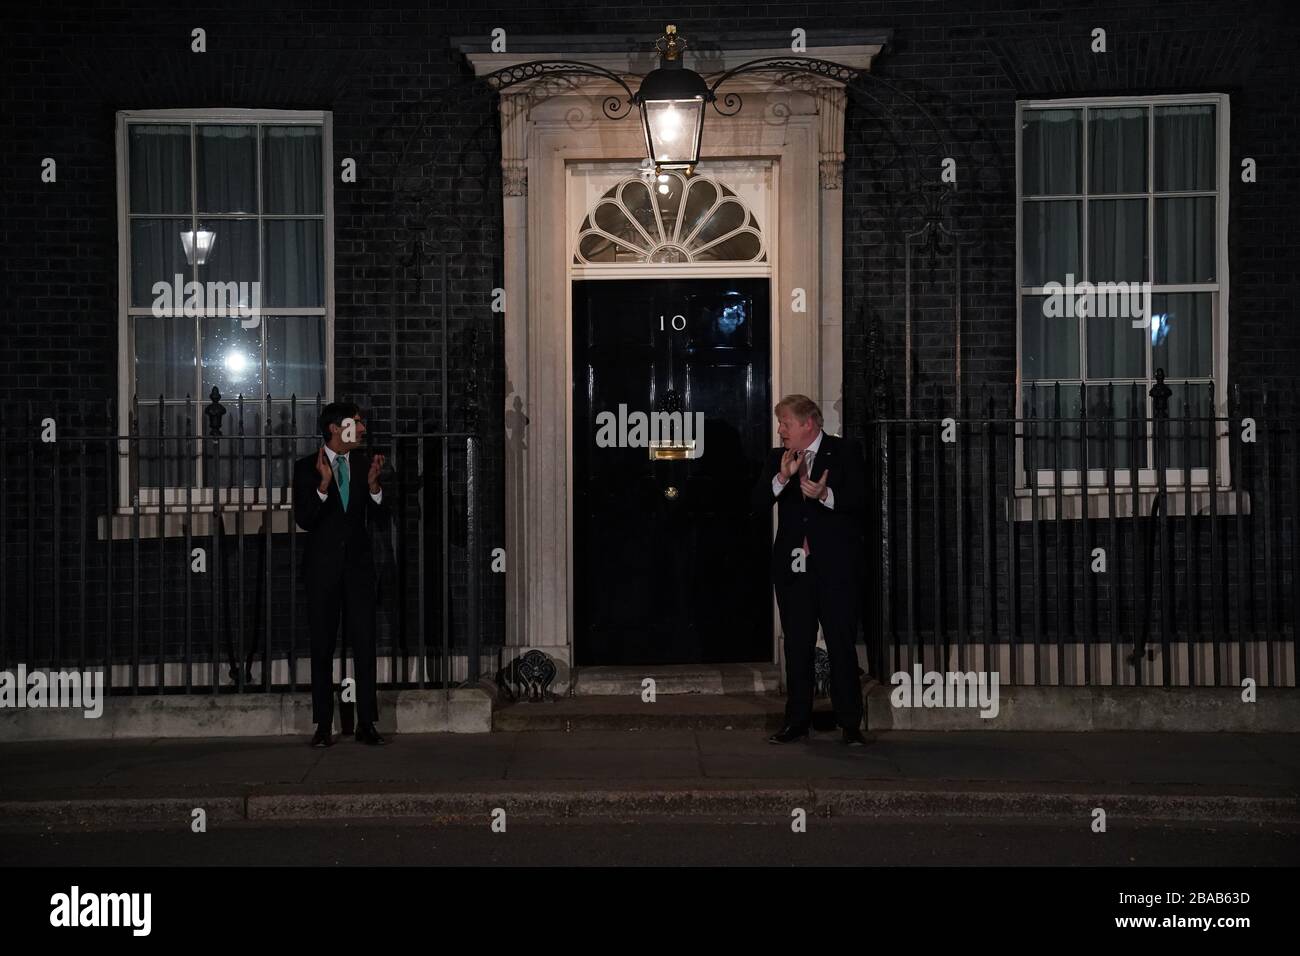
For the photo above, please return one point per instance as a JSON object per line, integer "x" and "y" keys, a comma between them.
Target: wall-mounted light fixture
{"x": 672, "y": 100}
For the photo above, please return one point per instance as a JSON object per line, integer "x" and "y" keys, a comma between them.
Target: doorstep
{"x": 716, "y": 679}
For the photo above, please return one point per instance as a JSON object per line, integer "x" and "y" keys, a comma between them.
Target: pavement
{"x": 1138, "y": 777}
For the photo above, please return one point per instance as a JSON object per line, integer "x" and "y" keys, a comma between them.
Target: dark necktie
{"x": 344, "y": 480}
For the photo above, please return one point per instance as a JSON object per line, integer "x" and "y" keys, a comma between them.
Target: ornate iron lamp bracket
{"x": 615, "y": 108}
{"x": 788, "y": 65}
{"x": 612, "y": 106}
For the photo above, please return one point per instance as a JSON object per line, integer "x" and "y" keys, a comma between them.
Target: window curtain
{"x": 291, "y": 170}
{"x": 1050, "y": 148}
{"x": 1185, "y": 161}
{"x": 227, "y": 168}
{"x": 160, "y": 169}
{"x": 1185, "y": 150}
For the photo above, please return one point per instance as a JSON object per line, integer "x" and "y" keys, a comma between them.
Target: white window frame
{"x": 1097, "y": 477}
{"x": 201, "y": 498}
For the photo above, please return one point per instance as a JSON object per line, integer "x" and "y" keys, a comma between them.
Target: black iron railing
{"x": 1092, "y": 536}
{"x": 168, "y": 554}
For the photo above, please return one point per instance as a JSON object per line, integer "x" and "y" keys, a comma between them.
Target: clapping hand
{"x": 324, "y": 470}
{"x": 815, "y": 489}
{"x": 789, "y": 464}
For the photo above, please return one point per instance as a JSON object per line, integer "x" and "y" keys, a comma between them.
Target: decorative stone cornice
{"x": 633, "y": 57}
{"x": 707, "y": 53}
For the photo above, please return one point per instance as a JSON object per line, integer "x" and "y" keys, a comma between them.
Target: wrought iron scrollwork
{"x": 734, "y": 104}
{"x": 821, "y": 673}
{"x": 612, "y": 106}
{"x": 789, "y": 65}
{"x": 528, "y": 677}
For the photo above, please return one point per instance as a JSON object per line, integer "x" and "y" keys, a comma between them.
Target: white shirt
{"x": 778, "y": 486}
{"x": 331, "y": 454}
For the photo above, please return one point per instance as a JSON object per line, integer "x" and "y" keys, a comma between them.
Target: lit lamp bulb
{"x": 670, "y": 125}
{"x": 197, "y": 245}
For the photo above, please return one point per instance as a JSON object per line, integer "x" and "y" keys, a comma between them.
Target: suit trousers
{"x": 803, "y": 599}
{"x": 352, "y": 602}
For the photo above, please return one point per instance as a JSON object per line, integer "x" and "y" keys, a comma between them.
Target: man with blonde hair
{"x": 816, "y": 482}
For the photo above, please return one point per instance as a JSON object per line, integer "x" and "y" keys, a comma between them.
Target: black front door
{"x": 670, "y": 565}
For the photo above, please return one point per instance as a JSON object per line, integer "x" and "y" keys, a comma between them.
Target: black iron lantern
{"x": 672, "y": 100}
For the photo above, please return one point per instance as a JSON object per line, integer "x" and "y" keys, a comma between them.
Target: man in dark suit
{"x": 336, "y": 497}
{"x": 816, "y": 481}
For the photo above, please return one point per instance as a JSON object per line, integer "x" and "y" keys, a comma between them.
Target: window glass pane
{"x": 1111, "y": 432}
{"x": 699, "y": 201}
{"x": 1115, "y": 348}
{"x": 743, "y": 246}
{"x": 286, "y": 422}
{"x": 165, "y": 460}
{"x": 231, "y": 258}
{"x": 158, "y": 255}
{"x": 636, "y": 196}
{"x": 1184, "y": 240}
{"x": 728, "y": 217}
{"x": 1051, "y": 241}
{"x": 1117, "y": 240}
{"x": 668, "y": 197}
{"x": 232, "y": 359}
{"x": 295, "y": 263}
{"x": 164, "y": 357}
{"x": 1051, "y": 144}
{"x": 1182, "y": 333}
{"x": 160, "y": 168}
{"x": 295, "y": 356}
{"x": 222, "y": 468}
{"x": 612, "y": 219}
{"x": 1190, "y": 425}
{"x": 1051, "y": 440}
{"x": 1184, "y": 148}
{"x": 595, "y": 248}
{"x": 291, "y": 170}
{"x": 227, "y": 168}
{"x": 1117, "y": 147}
{"x": 1050, "y": 344}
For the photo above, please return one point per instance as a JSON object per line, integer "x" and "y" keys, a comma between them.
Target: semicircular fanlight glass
{"x": 669, "y": 219}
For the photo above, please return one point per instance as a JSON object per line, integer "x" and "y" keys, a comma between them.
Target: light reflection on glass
{"x": 236, "y": 364}
{"x": 731, "y": 318}
{"x": 205, "y": 239}
{"x": 1159, "y": 328}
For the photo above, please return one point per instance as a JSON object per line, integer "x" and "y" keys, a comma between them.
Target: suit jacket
{"x": 338, "y": 541}
{"x": 834, "y": 534}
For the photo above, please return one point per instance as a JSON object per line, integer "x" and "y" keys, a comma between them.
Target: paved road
{"x": 648, "y": 841}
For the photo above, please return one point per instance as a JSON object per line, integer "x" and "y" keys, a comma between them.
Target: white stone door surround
{"x": 796, "y": 124}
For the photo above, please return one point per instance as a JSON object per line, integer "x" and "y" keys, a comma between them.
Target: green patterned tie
{"x": 342, "y": 464}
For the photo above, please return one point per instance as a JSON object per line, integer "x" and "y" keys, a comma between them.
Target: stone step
{"x": 677, "y": 679}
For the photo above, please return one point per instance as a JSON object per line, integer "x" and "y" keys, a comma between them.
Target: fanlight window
{"x": 670, "y": 218}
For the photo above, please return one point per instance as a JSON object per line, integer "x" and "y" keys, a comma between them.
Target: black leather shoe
{"x": 367, "y": 734}
{"x": 323, "y": 737}
{"x": 788, "y": 734}
{"x": 852, "y": 737}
